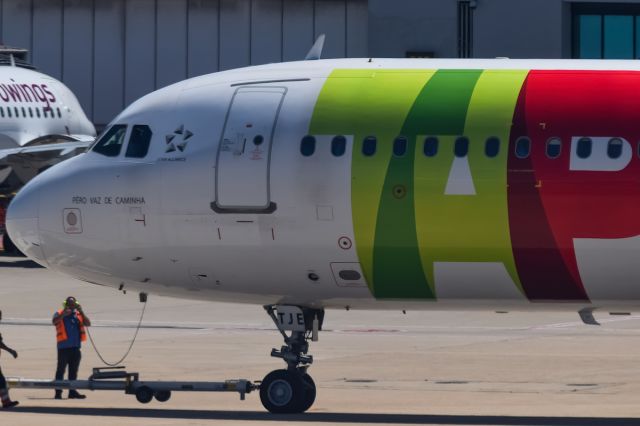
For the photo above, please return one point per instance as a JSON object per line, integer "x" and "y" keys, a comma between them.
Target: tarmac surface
{"x": 437, "y": 368}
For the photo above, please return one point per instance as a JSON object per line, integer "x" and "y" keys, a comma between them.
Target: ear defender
{"x": 65, "y": 305}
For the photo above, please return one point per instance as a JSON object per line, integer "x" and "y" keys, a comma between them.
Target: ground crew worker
{"x": 4, "y": 389}
{"x": 70, "y": 322}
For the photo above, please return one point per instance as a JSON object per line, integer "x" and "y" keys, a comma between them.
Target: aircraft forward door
{"x": 242, "y": 167}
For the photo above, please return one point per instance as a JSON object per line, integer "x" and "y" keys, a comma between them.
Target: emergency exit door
{"x": 242, "y": 169}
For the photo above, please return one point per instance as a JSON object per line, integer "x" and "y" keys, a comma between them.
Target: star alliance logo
{"x": 180, "y": 144}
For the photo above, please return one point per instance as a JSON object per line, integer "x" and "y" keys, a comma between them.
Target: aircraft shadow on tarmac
{"x": 411, "y": 419}
{"x": 29, "y": 264}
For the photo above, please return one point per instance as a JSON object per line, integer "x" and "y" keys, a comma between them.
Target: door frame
{"x": 272, "y": 206}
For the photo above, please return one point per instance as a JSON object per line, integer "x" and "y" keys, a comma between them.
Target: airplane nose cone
{"x": 22, "y": 223}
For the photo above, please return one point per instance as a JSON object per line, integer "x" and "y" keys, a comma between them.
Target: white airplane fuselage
{"x": 41, "y": 124}
{"x": 408, "y": 184}
{"x": 34, "y": 105}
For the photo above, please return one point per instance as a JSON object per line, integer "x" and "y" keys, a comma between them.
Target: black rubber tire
{"x": 144, "y": 394}
{"x": 283, "y": 392}
{"x": 162, "y": 396}
{"x": 309, "y": 394}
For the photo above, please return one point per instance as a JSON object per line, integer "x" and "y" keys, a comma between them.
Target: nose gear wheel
{"x": 292, "y": 390}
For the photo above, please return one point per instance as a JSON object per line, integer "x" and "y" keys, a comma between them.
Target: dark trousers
{"x": 3, "y": 382}
{"x": 68, "y": 357}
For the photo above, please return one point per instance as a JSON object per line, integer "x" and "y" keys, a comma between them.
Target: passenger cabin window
{"x": 583, "y": 150}
{"x": 139, "y": 141}
{"x": 30, "y": 112}
{"x": 554, "y": 147}
{"x": 2, "y": 112}
{"x": 614, "y": 148}
{"x": 338, "y": 146}
{"x": 308, "y": 146}
{"x": 523, "y": 147}
{"x": 492, "y": 147}
{"x": 369, "y": 146}
{"x": 461, "y": 147}
{"x": 110, "y": 143}
{"x": 59, "y": 113}
{"x": 258, "y": 140}
{"x": 430, "y": 147}
{"x": 400, "y": 146}
{"x": 38, "y": 112}
{"x": 9, "y": 112}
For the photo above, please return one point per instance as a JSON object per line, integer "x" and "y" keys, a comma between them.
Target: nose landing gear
{"x": 292, "y": 390}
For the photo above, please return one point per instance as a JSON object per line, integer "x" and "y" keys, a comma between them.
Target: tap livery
{"x": 358, "y": 183}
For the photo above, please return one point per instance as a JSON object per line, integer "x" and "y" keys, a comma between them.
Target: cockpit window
{"x": 111, "y": 142}
{"x": 139, "y": 141}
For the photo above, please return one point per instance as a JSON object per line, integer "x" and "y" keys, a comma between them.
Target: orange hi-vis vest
{"x": 61, "y": 331}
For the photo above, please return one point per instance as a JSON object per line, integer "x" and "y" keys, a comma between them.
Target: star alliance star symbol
{"x": 182, "y": 135}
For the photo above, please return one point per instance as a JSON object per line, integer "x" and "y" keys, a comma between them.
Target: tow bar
{"x": 117, "y": 379}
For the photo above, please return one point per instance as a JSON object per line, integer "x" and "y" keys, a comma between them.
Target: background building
{"x": 111, "y": 52}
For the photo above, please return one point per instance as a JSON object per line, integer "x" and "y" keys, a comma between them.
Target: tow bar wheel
{"x": 144, "y": 394}
{"x": 283, "y": 391}
{"x": 162, "y": 396}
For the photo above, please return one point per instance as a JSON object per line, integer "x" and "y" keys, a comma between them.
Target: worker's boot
{"x": 58, "y": 394}
{"x": 6, "y": 401}
{"x": 74, "y": 394}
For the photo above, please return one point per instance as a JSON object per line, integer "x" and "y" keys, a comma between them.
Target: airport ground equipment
{"x": 118, "y": 379}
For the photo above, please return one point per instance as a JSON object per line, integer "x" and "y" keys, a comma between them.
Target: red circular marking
{"x": 345, "y": 243}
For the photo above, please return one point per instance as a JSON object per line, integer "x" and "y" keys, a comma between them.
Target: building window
{"x": 400, "y": 146}
{"x": 606, "y": 31}
{"x": 308, "y": 146}
{"x": 338, "y": 146}
{"x": 583, "y": 150}
{"x": 430, "y": 146}
{"x": 369, "y": 146}
{"x": 461, "y": 147}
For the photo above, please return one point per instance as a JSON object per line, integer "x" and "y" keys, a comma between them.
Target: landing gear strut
{"x": 292, "y": 390}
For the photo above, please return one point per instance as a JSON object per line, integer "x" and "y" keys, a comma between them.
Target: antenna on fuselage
{"x": 12, "y": 59}
{"x": 316, "y": 50}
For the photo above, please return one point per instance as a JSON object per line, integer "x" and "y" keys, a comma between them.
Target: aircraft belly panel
{"x": 474, "y": 280}
{"x": 609, "y": 268}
